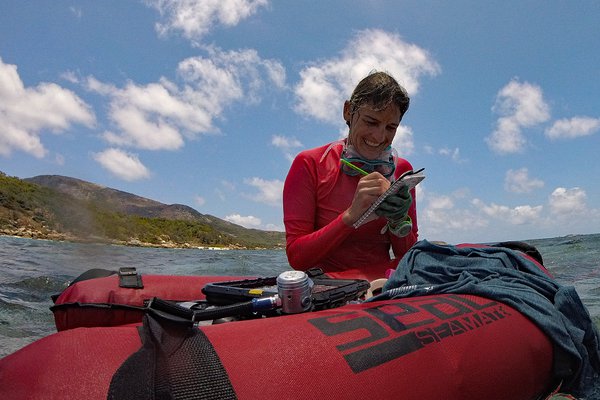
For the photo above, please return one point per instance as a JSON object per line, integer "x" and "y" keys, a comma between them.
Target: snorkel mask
{"x": 384, "y": 164}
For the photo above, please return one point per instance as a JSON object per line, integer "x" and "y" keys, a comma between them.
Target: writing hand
{"x": 369, "y": 188}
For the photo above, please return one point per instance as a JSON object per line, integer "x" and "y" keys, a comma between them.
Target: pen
{"x": 354, "y": 167}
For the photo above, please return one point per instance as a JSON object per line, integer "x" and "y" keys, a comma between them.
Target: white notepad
{"x": 409, "y": 178}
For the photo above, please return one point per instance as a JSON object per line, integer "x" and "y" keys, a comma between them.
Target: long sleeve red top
{"x": 315, "y": 194}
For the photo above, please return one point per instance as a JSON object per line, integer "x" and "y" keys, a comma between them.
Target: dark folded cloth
{"x": 505, "y": 275}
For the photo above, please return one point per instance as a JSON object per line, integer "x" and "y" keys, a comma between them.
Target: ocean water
{"x": 33, "y": 270}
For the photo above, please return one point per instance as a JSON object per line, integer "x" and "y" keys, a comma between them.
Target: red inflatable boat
{"x": 429, "y": 347}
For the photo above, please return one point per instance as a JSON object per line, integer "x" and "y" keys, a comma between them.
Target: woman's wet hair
{"x": 379, "y": 90}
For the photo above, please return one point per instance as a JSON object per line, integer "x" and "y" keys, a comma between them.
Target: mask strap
{"x": 331, "y": 146}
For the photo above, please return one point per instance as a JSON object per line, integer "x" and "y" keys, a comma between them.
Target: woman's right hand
{"x": 369, "y": 188}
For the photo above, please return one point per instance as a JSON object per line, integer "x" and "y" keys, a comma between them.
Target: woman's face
{"x": 371, "y": 132}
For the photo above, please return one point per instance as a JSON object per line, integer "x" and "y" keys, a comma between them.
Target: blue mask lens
{"x": 385, "y": 168}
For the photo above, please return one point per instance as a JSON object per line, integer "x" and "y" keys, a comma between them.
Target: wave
{"x": 37, "y": 289}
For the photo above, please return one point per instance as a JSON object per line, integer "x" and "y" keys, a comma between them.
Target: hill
{"x": 64, "y": 208}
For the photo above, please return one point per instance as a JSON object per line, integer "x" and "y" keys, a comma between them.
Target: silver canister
{"x": 294, "y": 289}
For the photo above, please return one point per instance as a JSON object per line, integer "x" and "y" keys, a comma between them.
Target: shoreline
{"x": 28, "y": 233}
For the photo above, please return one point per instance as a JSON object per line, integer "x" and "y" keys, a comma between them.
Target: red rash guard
{"x": 315, "y": 194}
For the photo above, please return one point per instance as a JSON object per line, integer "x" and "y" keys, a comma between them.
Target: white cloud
{"x": 275, "y": 227}
{"x": 520, "y": 105}
{"x": 572, "y": 128}
{"x": 194, "y": 18}
{"x": 199, "y": 201}
{"x": 456, "y": 217}
{"x": 70, "y": 76}
{"x": 516, "y": 216}
{"x": 225, "y": 187}
{"x": 26, "y": 112}
{"x": 76, "y": 11}
{"x": 228, "y": 185}
{"x": 224, "y": 76}
{"x": 518, "y": 181}
{"x": 151, "y": 116}
{"x": 428, "y": 149}
{"x": 454, "y": 154}
{"x": 219, "y": 193}
{"x": 403, "y": 141}
{"x": 247, "y": 222}
{"x": 566, "y": 202}
{"x": 441, "y": 203}
{"x": 59, "y": 159}
{"x": 440, "y": 219}
{"x": 324, "y": 86}
{"x": 124, "y": 165}
{"x": 287, "y": 145}
{"x": 270, "y": 192}
{"x": 159, "y": 116}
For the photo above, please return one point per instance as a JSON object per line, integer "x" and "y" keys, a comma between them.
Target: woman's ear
{"x": 347, "y": 112}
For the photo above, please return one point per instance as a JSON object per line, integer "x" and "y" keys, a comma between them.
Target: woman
{"x": 323, "y": 198}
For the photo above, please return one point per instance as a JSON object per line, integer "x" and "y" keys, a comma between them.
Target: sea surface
{"x": 33, "y": 270}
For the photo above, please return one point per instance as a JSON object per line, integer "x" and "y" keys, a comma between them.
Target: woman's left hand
{"x": 395, "y": 207}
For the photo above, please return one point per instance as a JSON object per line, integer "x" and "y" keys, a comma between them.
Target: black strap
{"x": 316, "y": 272}
{"x": 89, "y": 274}
{"x": 174, "y": 362}
{"x": 129, "y": 278}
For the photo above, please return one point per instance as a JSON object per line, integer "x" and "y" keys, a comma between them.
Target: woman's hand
{"x": 395, "y": 207}
{"x": 369, "y": 188}
{"x": 395, "y": 210}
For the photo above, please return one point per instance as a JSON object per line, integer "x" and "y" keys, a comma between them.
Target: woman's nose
{"x": 379, "y": 133}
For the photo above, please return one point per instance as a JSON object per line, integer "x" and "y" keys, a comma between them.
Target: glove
{"x": 395, "y": 209}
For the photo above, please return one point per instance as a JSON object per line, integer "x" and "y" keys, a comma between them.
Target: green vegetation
{"x": 26, "y": 205}
{"x": 27, "y": 209}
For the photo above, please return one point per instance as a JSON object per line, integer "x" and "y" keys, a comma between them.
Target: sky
{"x": 206, "y": 102}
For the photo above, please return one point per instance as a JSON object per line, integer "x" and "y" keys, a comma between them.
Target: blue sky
{"x": 205, "y": 103}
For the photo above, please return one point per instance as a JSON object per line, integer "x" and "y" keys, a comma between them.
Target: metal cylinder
{"x": 295, "y": 290}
